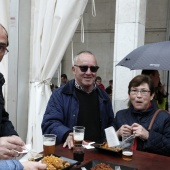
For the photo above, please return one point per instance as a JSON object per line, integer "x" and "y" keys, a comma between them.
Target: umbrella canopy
{"x": 154, "y": 56}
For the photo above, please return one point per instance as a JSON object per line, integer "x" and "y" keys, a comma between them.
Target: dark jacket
{"x": 6, "y": 127}
{"x": 63, "y": 107}
{"x": 159, "y": 136}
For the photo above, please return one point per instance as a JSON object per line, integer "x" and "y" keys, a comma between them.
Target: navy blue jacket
{"x": 159, "y": 136}
{"x": 62, "y": 111}
{"x": 6, "y": 127}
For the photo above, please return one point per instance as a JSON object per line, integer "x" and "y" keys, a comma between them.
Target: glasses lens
{"x": 83, "y": 68}
{"x": 94, "y": 69}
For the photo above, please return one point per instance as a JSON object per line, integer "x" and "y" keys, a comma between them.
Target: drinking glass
{"x": 49, "y": 141}
{"x": 78, "y": 134}
{"x": 127, "y": 151}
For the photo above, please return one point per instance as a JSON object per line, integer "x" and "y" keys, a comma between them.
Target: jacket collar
{"x": 69, "y": 89}
{"x": 152, "y": 108}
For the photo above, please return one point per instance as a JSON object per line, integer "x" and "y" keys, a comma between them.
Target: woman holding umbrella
{"x": 136, "y": 119}
{"x": 160, "y": 93}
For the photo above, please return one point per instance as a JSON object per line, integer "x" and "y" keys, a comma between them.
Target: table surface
{"x": 141, "y": 160}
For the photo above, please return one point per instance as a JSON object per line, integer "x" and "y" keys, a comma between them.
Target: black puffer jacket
{"x": 6, "y": 127}
{"x": 159, "y": 136}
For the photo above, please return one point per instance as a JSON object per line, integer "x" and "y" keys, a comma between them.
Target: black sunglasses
{"x": 85, "y": 68}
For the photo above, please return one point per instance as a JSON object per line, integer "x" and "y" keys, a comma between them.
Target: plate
{"x": 93, "y": 163}
{"x": 71, "y": 161}
{"x": 111, "y": 149}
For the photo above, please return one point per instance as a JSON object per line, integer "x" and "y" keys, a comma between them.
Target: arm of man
{"x": 7, "y": 128}
{"x": 15, "y": 164}
{"x": 59, "y": 116}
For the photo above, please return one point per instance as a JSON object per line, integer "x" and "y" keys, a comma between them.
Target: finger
{"x": 134, "y": 125}
{"x": 85, "y": 143}
{"x": 16, "y": 140}
{"x": 14, "y": 147}
{"x": 15, "y": 153}
{"x": 70, "y": 144}
{"x": 65, "y": 144}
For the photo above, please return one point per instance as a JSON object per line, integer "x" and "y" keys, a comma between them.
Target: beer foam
{"x": 127, "y": 153}
{"x": 49, "y": 143}
{"x": 78, "y": 136}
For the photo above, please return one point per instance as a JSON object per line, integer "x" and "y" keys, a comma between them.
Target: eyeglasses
{"x": 142, "y": 92}
{"x": 3, "y": 49}
{"x": 85, "y": 68}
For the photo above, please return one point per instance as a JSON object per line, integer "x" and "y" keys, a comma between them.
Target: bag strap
{"x": 153, "y": 119}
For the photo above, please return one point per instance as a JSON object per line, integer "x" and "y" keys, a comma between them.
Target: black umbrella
{"x": 154, "y": 56}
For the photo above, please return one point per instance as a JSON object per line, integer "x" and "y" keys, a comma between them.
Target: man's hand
{"x": 9, "y": 146}
{"x": 69, "y": 141}
{"x": 29, "y": 165}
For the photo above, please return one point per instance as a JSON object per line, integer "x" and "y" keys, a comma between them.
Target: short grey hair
{"x": 76, "y": 57}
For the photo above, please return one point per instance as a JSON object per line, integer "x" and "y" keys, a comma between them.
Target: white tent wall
{"x": 99, "y": 34}
{"x": 19, "y": 59}
{"x": 52, "y": 30}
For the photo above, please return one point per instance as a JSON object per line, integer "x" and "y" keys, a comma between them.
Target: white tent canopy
{"x": 53, "y": 25}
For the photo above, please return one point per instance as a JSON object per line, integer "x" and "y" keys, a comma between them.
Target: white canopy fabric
{"x": 53, "y": 25}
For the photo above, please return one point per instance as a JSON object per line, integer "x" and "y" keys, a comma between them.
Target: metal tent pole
{"x": 167, "y": 90}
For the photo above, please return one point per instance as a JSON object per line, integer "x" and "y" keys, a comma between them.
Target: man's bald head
{"x": 3, "y": 28}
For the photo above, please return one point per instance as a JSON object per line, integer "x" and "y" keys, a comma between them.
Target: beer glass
{"x": 78, "y": 134}
{"x": 127, "y": 151}
{"x": 49, "y": 141}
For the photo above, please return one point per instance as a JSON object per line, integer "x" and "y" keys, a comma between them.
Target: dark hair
{"x": 159, "y": 96}
{"x": 140, "y": 79}
{"x": 98, "y": 78}
{"x": 64, "y": 76}
{"x": 6, "y": 34}
{"x": 110, "y": 81}
{"x": 148, "y": 72}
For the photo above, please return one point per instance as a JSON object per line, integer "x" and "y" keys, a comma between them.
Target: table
{"x": 141, "y": 160}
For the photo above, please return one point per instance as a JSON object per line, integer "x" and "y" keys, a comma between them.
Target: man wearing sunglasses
{"x": 79, "y": 103}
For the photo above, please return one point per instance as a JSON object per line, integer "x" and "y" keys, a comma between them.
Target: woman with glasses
{"x": 136, "y": 118}
{"x": 79, "y": 103}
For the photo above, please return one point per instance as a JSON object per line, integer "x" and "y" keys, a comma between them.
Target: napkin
{"x": 89, "y": 145}
{"x": 111, "y": 137}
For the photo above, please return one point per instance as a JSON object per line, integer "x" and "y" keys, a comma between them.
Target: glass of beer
{"x": 127, "y": 151}
{"x": 49, "y": 141}
{"x": 78, "y": 134}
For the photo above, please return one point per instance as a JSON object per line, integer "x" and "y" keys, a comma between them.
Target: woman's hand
{"x": 140, "y": 131}
{"x": 124, "y": 130}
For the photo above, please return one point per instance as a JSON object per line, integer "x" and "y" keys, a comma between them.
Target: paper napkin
{"x": 111, "y": 137}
